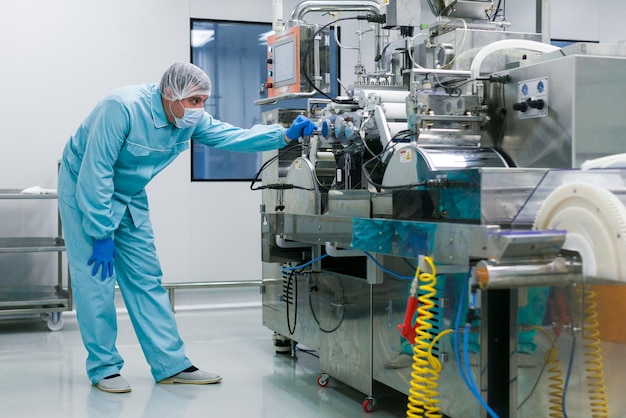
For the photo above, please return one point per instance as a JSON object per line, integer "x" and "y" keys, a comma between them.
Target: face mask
{"x": 190, "y": 118}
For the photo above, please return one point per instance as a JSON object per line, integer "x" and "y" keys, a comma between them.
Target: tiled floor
{"x": 43, "y": 371}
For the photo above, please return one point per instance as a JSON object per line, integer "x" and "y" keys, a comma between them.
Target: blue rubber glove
{"x": 103, "y": 253}
{"x": 302, "y": 126}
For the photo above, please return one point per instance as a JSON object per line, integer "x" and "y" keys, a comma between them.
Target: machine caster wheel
{"x": 369, "y": 405}
{"x": 54, "y": 321}
{"x": 282, "y": 344}
{"x": 323, "y": 380}
{"x": 44, "y": 316}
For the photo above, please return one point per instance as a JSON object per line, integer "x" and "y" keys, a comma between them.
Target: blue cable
{"x": 456, "y": 332}
{"x": 380, "y": 266}
{"x": 468, "y": 380}
{"x": 469, "y": 373}
{"x": 305, "y": 264}
{"x": 569, "y": 374}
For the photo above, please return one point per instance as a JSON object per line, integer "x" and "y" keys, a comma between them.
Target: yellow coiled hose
{"x": 593, "y": 354}
{"x": 423, "y": 392}
{"x": 555, "y": 378}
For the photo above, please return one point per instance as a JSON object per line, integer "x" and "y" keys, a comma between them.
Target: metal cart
{"x": 20, "y": 297}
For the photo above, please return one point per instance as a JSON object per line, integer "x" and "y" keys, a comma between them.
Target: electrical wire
{"x": 532, "y": 390}
{"x": 291, "y": 300}
{"x": 570, "y": 366}
{"x": 495, "y": 14}
{"x": 308, "y": 263}
{"x": 362, "y": 134}
{"x": 470, "y": 377}
{"x": 336, "y": 34}
{"x": 448, "y": 89}
{"x": 380, "y": 266}
{"x": 467, "y": 378}
{"x": 410, "y": 49}
{"x": 317, "y": 321}
{"x": 460, "y": 307}
{"x": 309, "y": 352}
{"x": 556, "y": 382}
{"x": 307, "y": 52}
{"x": 289, "y": 148}
{"x": 300, "y": 267}
{"x": 378, "y": 186}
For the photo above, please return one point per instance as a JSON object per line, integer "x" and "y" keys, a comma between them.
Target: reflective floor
{"x": 42, "y": 372}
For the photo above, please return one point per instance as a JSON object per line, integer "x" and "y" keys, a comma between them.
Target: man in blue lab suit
{"x": 130, "y": 136}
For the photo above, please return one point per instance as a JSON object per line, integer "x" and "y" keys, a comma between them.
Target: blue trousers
{"x": 138, "y": 274}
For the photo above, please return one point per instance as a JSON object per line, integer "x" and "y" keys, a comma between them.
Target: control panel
{"x": 532, "y": 98}
{"x": 297, "y": 58}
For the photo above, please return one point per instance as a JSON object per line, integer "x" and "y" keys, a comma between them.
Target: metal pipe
{"x": 543, "y": 20}
{"x": 206, "y": 285}
{"x": 554, "y": 273}
{"x": 284, "y": 243}
{"x": 171, "y": 287}
{"x": 341, "y": 6}
{"x": 333, "y": 251}
{"x": 546, "y": 16}
{"x": 333, "y": 6}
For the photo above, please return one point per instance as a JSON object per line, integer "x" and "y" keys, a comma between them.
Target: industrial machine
{"x": 454, "y": 229}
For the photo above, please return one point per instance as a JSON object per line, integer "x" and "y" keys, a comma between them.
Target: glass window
{"x": 233, "y": 54}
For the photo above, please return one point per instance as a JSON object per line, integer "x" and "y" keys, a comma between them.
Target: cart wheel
{"x": 44, "y": 316}
{"x": 369, "y": 405}
{"x": 55, "y": 321}
{"x": 323, "y": 380}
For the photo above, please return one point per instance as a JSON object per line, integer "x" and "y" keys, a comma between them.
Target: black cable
{"x": 328, "y": 331}
{"x": 309, "y": 352}
{"x": 534, "y": 386}
{"x": 464, "y": 83}
{"x": 448, "y": 89}
{"x": 378, "y": 186}
{"x": 290, "y": 147}
{"x": 288, "y": 302}
{"x": 493, "y": 18}
{"x": 308, "y": 51}
{"x": 278, "y": 186}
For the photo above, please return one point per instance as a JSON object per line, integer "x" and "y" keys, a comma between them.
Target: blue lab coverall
{"x": 123, "y": 143}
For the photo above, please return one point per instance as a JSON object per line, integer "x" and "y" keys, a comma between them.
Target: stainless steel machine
{"x": 453, "y": 230}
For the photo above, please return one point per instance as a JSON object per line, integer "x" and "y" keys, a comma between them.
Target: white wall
{"x": 60, "y": 56}
{"x": 588, "y": 20}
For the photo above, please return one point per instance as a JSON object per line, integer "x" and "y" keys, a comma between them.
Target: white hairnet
{"x": 184, "y": 80}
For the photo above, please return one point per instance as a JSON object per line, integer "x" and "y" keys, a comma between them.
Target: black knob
{"x": 536, "y": 104}
{"x": 521, "y": 106}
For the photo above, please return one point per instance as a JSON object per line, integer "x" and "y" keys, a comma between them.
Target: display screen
{"x": 285, "y": 62}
